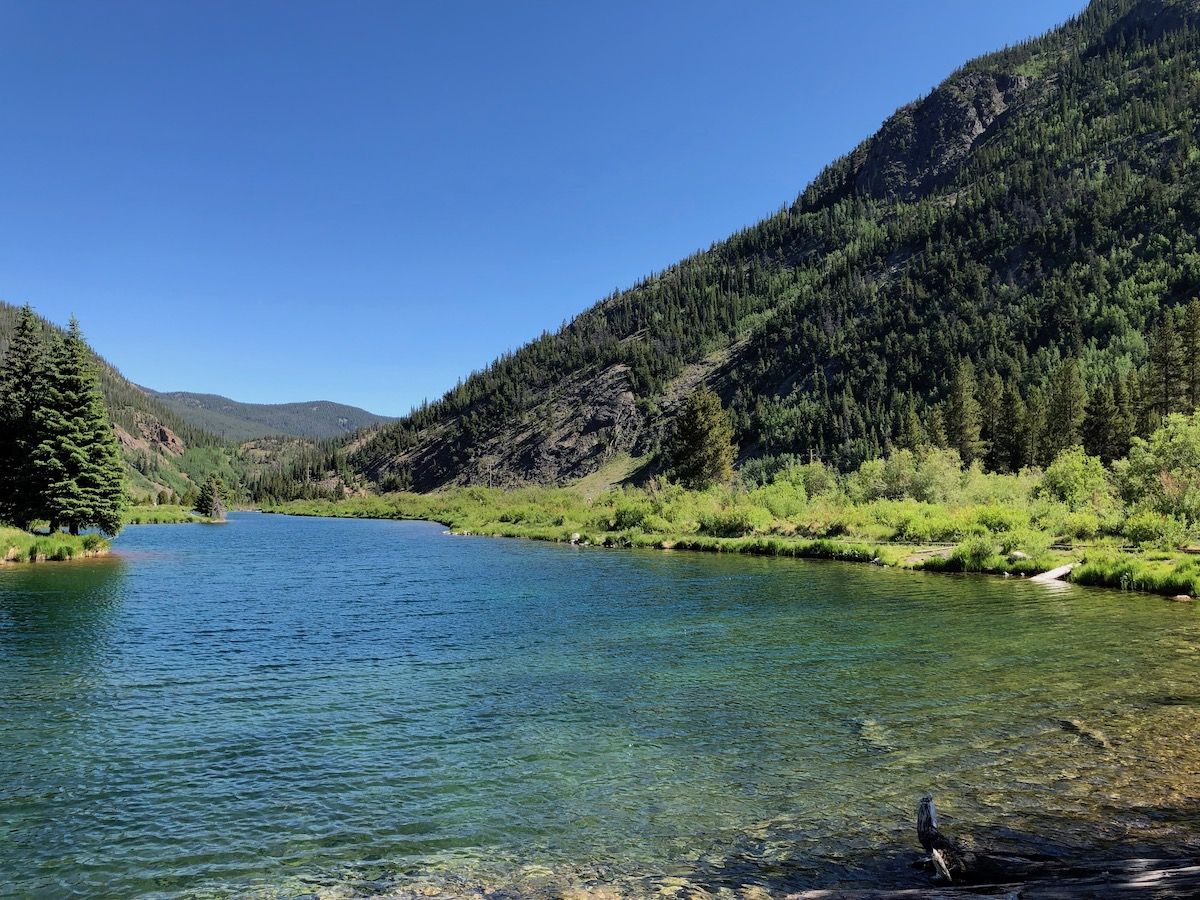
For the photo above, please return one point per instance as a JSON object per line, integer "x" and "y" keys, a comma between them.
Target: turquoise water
{"x": 296, "y": 707}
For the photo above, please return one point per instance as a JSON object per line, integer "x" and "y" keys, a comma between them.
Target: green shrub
{"x": 784, "y": 499}
{"x": 1081, "y": 526}
{"x": 1034, "y": 544}
{"x": 1152, "y": 529}
{"x": 977, "y": 554}
{"x": 1163, "y": 473}
{"x": 630, "y": 515}
{"x": 735, "y": 522}
{"x": 938, "y": 477}
{"x": 1078, "y": 480}
{"x": 998, "y": 518}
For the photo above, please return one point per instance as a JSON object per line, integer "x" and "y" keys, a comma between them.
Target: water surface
{"x": 288, "y": 707}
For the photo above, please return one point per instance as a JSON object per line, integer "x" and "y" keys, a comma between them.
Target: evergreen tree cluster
{"x": 209, "y": 501}
{"x": 59, "y": 457}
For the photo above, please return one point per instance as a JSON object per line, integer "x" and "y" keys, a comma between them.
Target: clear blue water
{"x": 295, "y": 707}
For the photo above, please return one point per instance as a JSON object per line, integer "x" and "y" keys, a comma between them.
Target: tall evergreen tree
{"x": 963, "y": 420}
{"x": 992, "y": 417}
{"x": 1098, "y": 423}
{"x": 935, "y": 427}
{"x": 1066, "y": 406}
{"x": 911, "y": 433}
{"x": 1190, "y": 346}
{"x": 1165, "y": 376}
{"x": 701, "y": 449}
{"x": 210, "y": 503}
{"x": 23, "y": 390}
{"x": 1013, "y": 444}
{"x": 78, "y": 459}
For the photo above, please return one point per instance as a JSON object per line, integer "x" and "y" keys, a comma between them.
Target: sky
{"x": 366, "y": 201}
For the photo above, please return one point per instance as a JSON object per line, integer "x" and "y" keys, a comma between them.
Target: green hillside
{"x": 236, "y": 421}
{"x": 1012, "y": 239}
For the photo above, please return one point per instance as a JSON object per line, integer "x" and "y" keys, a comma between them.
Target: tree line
{"x": 59, "y": 457}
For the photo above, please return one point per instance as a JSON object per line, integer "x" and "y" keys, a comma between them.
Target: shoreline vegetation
{"x": 20, "y": 546}
{"x": 28, "y": 547}
{"x": 163, "y": 514}
{"x": 1128, "y": 526}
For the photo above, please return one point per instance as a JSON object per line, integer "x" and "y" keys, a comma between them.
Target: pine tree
{"x": 1098, "y": 423}
{"x": 935, "y": 427}
{"x": 992, "y": 417}
{"x": 1190, "y": 341}
{"x": 23, "y": 389}
{"x": 1107, "y": 428}
{"x": 209, "y": 502}
{"x": 1012, "y": 448}
{"x": 1165, "y": 382}
{"x": 701, "y": 451}
{"x": 1066, "y": 406}
{"x": 963, "y": 419}
{"x": 78, "y": 459}
{"x": 911, "y": 434}
{"x": 1036, "y": 414}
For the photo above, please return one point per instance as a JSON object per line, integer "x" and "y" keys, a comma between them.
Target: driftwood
{"x": 942, "y": 852}
{"x": 978, "y": 872}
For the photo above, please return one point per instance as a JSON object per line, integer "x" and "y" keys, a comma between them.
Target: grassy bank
{"x": 163, "y": 514}
{"x": 22, "y": 546}
{"x": 922, "y": 511}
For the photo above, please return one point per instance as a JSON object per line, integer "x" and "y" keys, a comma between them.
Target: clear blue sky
{"x": 365, "y": 201}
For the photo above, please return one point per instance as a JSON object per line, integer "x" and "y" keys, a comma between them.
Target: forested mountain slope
{"x": 162, "y": 450}
{"x": 243, "y": 421}
{"x": 1016, "y": 235}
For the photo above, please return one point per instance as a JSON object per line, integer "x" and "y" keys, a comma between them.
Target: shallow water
{"x": 287, "y": 707}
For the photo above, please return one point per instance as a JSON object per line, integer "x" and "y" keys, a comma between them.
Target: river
{"x": 291, "y": 707}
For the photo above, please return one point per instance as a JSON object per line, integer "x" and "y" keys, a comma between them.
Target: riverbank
{"x": 163, "y": 514}
{"x": 992, "y": 537}
{"x": 25, "y": 547}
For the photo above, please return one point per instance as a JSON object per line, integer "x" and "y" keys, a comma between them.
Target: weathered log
{"x": 944, "y": 854}
{"x": 1038, "y": 875}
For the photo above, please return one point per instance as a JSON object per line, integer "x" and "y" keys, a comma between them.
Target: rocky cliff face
{"x": 921, "y": 147}
{"x": 571, "y": 433}
{"x": 149, "y": 436}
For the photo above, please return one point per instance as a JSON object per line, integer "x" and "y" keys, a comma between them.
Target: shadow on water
{"x": 1050, "y": 847}
{"x": 58, "y": 603}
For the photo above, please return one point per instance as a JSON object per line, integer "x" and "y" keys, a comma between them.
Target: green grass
{"x": 161, "y": 515}
{"x": 1156, "y": 573}
{"x": 23, "y": 546}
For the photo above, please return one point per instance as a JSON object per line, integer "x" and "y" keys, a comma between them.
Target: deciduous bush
{"x": 1078, "y": 480}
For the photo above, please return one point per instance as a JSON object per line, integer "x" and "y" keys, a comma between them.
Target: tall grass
{"x": 22, "y": 546}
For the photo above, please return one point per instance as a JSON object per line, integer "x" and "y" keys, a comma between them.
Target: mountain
{"x": 1035, "y": 214}
{"x": 162, "y": 450}
{"x": 316, "y": 419}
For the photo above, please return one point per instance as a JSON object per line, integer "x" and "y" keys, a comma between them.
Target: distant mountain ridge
{"x": 237, "y": 421}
